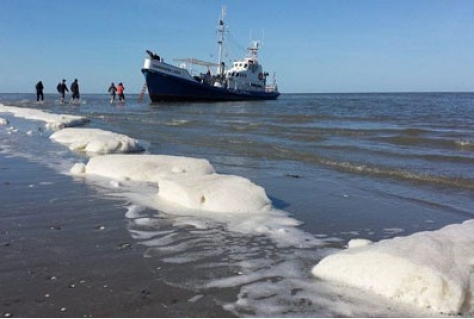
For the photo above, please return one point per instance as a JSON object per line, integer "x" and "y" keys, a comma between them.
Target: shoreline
{"x": 67, "y": 253}
{"x": 124, "y": 259}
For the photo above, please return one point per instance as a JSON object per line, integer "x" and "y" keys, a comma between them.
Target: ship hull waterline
{"x": 165, "y": 87}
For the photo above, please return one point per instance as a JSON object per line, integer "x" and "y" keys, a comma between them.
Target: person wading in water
{"x": 112, "y": 92}
{"x": 75, "y": 92}
{"x": 39, "y": 91}
{"x": 62, "y": 89}
{"x": 120, "y": 89}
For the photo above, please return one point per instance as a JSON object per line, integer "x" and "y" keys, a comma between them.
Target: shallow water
{"x": 345, "y": 165}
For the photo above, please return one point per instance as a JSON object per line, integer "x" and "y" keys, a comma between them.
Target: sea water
{"x": 344, "y": 166}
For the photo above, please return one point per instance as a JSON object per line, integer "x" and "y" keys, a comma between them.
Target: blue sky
{"x": 314, "y": 46}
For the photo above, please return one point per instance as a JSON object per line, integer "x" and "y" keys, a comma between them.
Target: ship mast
{"x": 220, "y": 41}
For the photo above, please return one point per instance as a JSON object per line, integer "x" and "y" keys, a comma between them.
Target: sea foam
{"x": 53, "y": 121}
{"x": 96, "y": 141}
{"x": 431, "y": 269}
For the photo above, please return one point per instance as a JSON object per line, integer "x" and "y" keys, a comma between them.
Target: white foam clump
{"x": 3, "y": 121}
{"x": 432, "y": 269}
{"x": 185, "y": 181}
{"x": 358, "y": 242}
{"x": 146, "y": 168}
{"x": 53, "y": 121}
{"x": 96, "y": 141}
{"x": 215, "y": 193}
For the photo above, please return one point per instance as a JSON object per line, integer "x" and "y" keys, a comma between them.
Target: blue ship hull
{"x": 164, "y": 87}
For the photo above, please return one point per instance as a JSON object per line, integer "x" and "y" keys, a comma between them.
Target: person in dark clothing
{"x": 62, "y": 89}
{"x": 75, "y": 91}
{"x": 39, "y": 91}
{"x": 112, "y": 91}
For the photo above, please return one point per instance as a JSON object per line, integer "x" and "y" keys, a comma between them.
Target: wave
{"x": 278, "y": 152}
{"x": 400, "y": 174}
{"x": 425, "y": 142}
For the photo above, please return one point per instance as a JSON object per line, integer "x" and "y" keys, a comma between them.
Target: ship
{"x": 243, "y": 80}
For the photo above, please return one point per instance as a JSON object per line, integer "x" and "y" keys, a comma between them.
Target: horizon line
{"x": 284, "y": 93}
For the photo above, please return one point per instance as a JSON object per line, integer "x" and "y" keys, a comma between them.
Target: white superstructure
{"x": 247, "y": 74}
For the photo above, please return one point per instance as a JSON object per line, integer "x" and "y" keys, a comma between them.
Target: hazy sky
{"x": 319, "y": 46}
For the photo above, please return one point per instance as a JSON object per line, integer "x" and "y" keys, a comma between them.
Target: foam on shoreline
{"x": 96, "y": 141}
{"x": 189, "y": 182}
{"x": 53, "y": 121}
{"x": 430, "y": 269}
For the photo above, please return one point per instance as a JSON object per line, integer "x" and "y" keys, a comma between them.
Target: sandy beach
{"x": 67, "y": 253}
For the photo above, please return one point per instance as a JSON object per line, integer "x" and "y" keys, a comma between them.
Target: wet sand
{"x": 67, "y": 253}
